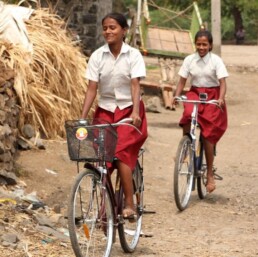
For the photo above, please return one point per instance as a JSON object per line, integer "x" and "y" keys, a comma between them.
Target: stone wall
{"x": 9, "y": 115}
{"x": 85, "y": 17}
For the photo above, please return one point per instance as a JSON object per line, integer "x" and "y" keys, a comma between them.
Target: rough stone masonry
{"x": 9, "y": 115}
{"x": 85, "y": 18}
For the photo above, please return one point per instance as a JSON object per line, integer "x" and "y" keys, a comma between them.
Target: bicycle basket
{"x": 87, "y": 141}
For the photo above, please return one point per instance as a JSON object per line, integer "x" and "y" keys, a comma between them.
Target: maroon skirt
{"x": 129, "y": 140}
{"x": 212, "y": 120}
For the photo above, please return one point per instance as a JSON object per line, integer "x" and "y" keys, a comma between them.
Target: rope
{"x": 177, "y": 14}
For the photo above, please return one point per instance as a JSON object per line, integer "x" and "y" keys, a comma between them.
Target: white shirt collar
{"x": 204, "y": 59}
{"x": 124, "y": 49}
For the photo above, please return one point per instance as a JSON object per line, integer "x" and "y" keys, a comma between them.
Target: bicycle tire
{"x": 129, "y": 232}
{"x": 183, "y": 173}
{"x": 201, "y": 170}
{"x": 90, "y": 226}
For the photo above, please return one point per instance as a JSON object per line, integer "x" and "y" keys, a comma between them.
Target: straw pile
{"x": 50, "y": 83}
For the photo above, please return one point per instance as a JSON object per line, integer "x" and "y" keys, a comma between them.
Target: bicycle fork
{"x": 193, "y": 141}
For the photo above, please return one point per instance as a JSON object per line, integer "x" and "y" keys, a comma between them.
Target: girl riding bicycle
{"x": 208, "y": 77}
{"x": 114, "y": 70}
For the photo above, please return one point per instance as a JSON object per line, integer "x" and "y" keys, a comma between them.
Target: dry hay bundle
{"x": 51, "y": 82}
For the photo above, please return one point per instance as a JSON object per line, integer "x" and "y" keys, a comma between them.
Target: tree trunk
{"x": 237, "y": 18}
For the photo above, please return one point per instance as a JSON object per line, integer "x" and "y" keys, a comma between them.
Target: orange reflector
{"x": 86, "y": 231}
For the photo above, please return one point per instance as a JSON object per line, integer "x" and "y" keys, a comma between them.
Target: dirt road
{"x": 225, "y": 224}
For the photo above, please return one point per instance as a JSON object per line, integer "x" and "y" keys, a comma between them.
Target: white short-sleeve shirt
{"x": 203, "y": 71}
{"x": 114, "y": 75}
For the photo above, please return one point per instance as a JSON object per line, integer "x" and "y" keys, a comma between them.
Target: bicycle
{"x": 190, "y": 168}
{"x": 96, "y": 202}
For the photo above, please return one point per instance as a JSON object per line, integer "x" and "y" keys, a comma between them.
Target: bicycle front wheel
{"x": 201, "y": 170}
{"x": 183, "y": 173}
{"x": 90, "y": 216}
{"x": 130, "y": 231}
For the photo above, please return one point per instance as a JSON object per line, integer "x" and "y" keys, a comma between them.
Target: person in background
{"x": 208, "y": 75}
{"x": 114, "y": 71}
{"x": 240, "y": 36}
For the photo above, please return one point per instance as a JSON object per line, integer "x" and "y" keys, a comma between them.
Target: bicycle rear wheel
{"x": 90, "y": 216}
{"x": 183, "y": 173}
{"x": 201, "y": 170}
{"x": 130, "y": 231}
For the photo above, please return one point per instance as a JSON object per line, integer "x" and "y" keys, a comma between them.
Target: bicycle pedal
{"x": 217, "y": 177}
{"x": 200, "y": 173}
{"x": 131, "y": 218}
{"x": 140, "y": 210}
{"x": 148, "y": 212}
{"x": 204, "y": 167}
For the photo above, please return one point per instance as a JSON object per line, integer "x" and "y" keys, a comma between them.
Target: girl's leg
{"x": 125, "y": 174}
{"x": 209, "y": 154}
{"x": 186, "y": 128}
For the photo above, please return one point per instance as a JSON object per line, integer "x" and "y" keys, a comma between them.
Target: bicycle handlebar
{"x": 185, "y": 100}
{"x": 125, "y": 121}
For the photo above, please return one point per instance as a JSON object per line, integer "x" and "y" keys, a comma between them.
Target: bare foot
{"x": 210, "y": 186}
{"x": 129, "y": 213}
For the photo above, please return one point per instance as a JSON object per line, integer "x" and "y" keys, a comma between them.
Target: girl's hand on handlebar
{"x": 136, "y": 119}
{"x": 221, "y": 102}
{"x": 174, "y": 101}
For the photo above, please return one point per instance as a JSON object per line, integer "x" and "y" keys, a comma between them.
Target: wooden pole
{"x": 216, "y": 25}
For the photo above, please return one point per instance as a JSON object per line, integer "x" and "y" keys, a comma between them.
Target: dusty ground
{"x": 225, "y": 224}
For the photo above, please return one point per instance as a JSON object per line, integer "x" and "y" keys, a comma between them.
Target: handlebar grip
{"x": 126, "y": 120}
{"x": 83, "y": 121}
{"x": 182, "y": 97}
{"x": 214, "y": 101}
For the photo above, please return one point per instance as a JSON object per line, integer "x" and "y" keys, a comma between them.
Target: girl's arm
{"x": 179, "y": 89}
{"x": 135, "y": 91}
{"x": 223, "y": 89}
{"x": 180, "y": 86}
{"x": 89, "y": 98}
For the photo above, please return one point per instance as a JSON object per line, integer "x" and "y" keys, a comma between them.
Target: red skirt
{"x": 212, "y": 120}
{"x": 129, "y": 140}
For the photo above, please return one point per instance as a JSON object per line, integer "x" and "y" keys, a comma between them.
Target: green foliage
{"x": 11, "y": 1}
{"x": 227, "y": 31}
{"x": 248, "y": 9}
{"x": 163, "y": 19}
{"x": 152, "y": 67}
{"x": 241, "y": 4}
{"x": 249, "y": 14}
{"x": 195, "y": 24}
{"x": 129, "y": 3}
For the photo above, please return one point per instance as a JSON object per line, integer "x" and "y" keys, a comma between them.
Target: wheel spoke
{"x": 183, "y": 173}
{"x": 92, "y": 233}
{"x": 129, "y": 232}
